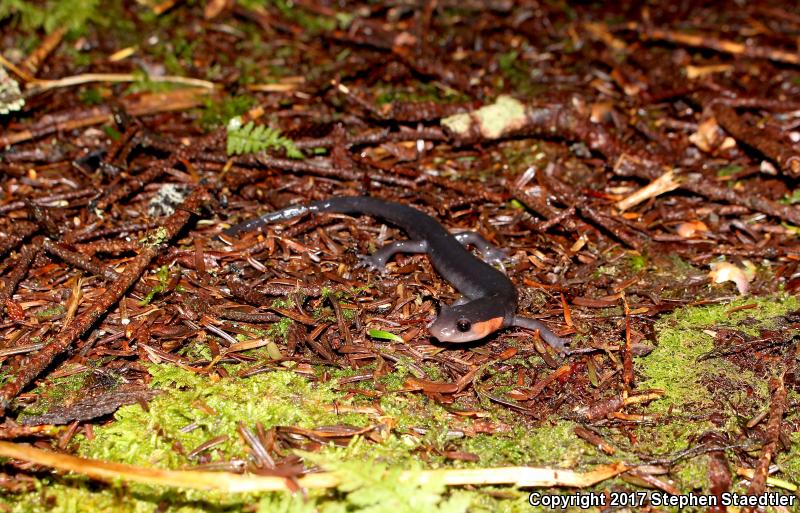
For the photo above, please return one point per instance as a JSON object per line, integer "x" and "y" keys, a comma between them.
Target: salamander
{"x": 489, "y": 298}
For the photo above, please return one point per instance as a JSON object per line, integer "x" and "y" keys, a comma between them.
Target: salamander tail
{"x": 268, "y": 218}
{"x": 342, "y": 204}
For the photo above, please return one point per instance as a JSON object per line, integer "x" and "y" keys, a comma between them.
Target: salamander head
{"x": 471, "y": 321}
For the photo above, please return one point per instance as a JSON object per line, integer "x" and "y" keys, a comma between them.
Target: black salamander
{"x": 489, "y": 299}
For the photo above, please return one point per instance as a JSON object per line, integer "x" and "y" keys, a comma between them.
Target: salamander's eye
{"x": 463, "y": 325}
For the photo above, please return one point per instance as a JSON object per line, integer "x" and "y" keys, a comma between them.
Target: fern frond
{"x": 252, "y": 138}
{"x": 50, "y": 15}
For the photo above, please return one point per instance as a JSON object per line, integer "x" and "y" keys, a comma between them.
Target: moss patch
{"x": 548, "y": 445}
{"x": 211, "y": 409}
{"x": 674, "y": 366}
{"x": 701, "y": 396}
{"x": 56, "y": 392}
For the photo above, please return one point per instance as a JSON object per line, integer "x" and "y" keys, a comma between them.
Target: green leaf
{"x": 384, "y": 335}
{"x": 791, "y": 199}
{"x": 273, "y": 350}
{"x": 792, "y": 228}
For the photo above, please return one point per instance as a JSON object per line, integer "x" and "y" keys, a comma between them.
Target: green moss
{"x": 674, "y": 366}
{"x": 507, "y": 62}
{"x": 503, "y": 500}
{"x": 420, "y": 427}
{"x": 516, "y": 73}
{"x": 396, "y": 380}
{"x": 411, "y": 411}
{"x": 255, "y": 331}
{"x": 165, "y": 377}
{"x": 415, "y": 92}
{"x": 56, "y": 392}
{"x": 91, "y": 96}
{"x": 680, "y": 266}
{"x": 692, "y": 474}
{"x": 147, "y": 437}
{"x": 51, "y": 311}
{"x": 218, "y": 111}
{"x": 637, "y": 262}
{"x": 163, "y": 279}
{"x": 692, "y": 386}
{"x": 789, "y": 462}
{"x": 323, "y": 314}
{"x": 344, "y": 372}
{"x": 196, "y": 350}
{"x": 349, "y": 314}
{"x": 154, "y": 237}
{"x": 552, "y": 445}
{"x": 285, "y": 302}
{"x": 280, "y": 329}
{"x": 74, "y": 496}
{"x": 380, "y": 488}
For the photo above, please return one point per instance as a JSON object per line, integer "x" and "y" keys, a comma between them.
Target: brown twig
{"x": 21, "y": 231}
{"x": 713, "y": 43}
{"x": 629, "y": 165}
{"x": 45, "y": 48}
{"x": 80, "y": 260}
{"x": 134, "y": 105}
{"x": 23, "y": 263}
{"x": 773, "y": 431}
{"x": 237, "y": 483}
{"x": 766, "y": 144}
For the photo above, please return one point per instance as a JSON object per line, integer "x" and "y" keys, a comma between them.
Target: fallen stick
{"x": 135, "y": 105}
{"x": 38, "y": 85}
{"x": 240, "y": 483}
{"x": 713, "y": 43}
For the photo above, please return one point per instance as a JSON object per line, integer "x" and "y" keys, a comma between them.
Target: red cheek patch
{"x": 486, "y": 327}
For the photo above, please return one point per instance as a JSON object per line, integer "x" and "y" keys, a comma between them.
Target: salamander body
{"x": 489, "y": 299}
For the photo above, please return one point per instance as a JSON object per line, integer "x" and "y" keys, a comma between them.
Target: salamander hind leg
{"x": 490, "y": 253}
{"x": 377, "y": 261}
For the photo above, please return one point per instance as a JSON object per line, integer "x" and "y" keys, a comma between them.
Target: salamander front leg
{"x": 377, "y": 261}
{"x": 490, "y": 253}
{"x": 556, "y": 342}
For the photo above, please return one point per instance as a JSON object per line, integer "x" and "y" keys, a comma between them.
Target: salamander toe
{"x": 372, "y": 263}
